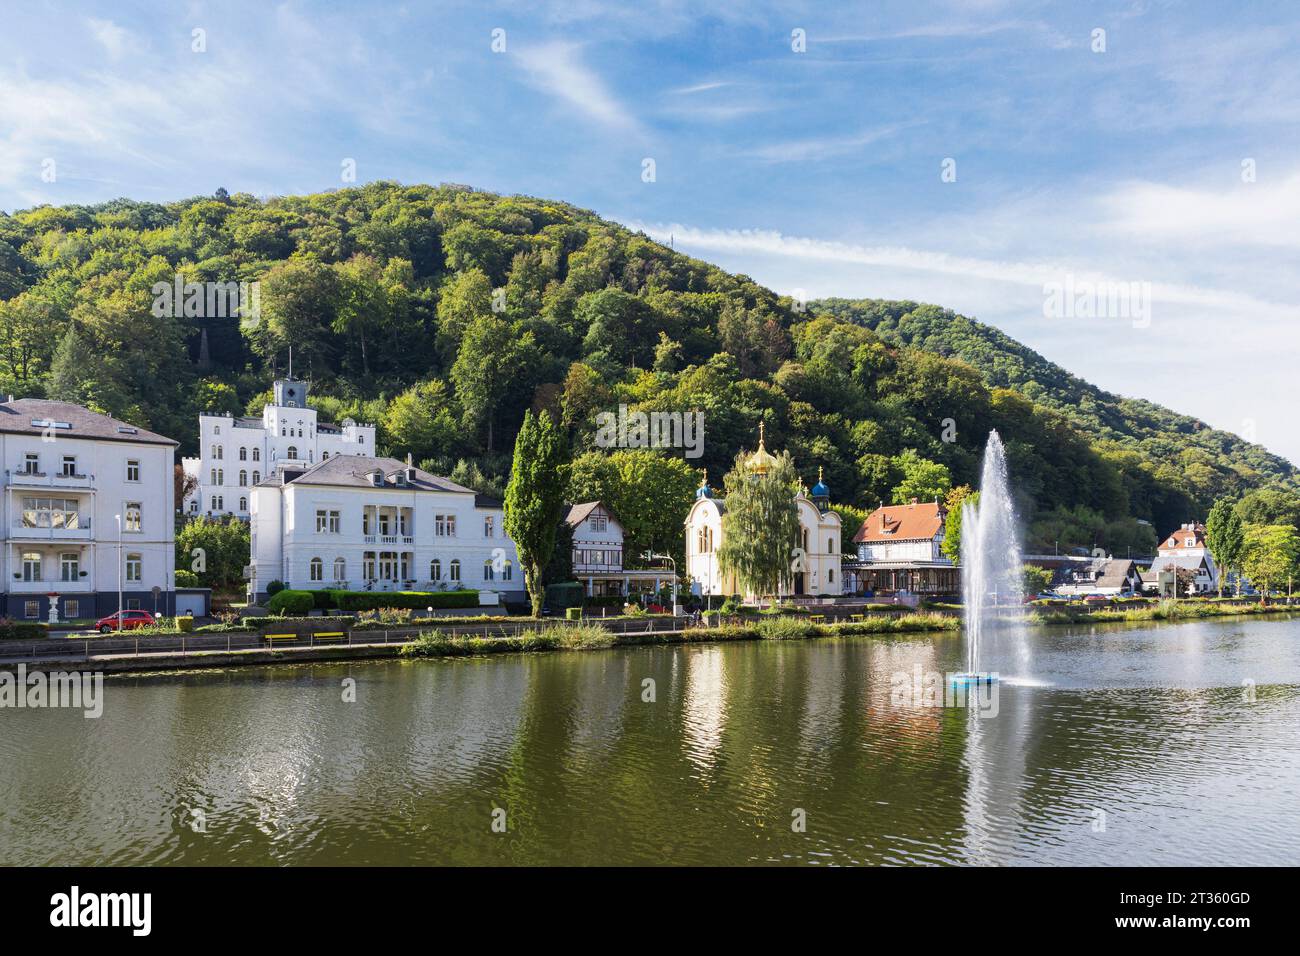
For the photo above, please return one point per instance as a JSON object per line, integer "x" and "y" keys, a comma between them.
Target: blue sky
{"x": 816, "y": 172}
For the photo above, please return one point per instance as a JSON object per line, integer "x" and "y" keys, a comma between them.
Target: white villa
{"x": 88, "y": 501}
{"x": 900, "y": 553}
{"x": 819, "y": 532}
{"x": 235, "y": 453}
{"x": 377, "y": 524}
{"x": 1185, "y": 550}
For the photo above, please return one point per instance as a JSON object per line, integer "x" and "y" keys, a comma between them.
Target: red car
{"x": 130, "y": 621}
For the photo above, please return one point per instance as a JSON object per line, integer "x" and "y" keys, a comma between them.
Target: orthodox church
{"x": 816, "y": 575}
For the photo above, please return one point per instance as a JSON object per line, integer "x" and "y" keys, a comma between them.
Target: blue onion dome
{"x": 820, "y": 490}
{"x": 704, "y": 491}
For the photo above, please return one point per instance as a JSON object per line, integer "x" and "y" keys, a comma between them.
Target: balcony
{"x": 79, "y": 586}
{"x": 79, "y": 531}
{"x": 26, "y": 480}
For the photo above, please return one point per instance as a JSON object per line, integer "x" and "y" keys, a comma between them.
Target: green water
{"x": 1112, "y": 744}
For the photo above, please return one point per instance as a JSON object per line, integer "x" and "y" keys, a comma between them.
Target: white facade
{"x": 598, "y": 556}
{"x": 235, "y": 452}
{"x": 365, "y": 523}
{"x": 69, "y": 475}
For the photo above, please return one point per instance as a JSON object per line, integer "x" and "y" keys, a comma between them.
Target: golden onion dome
{"x": 760, "y": 463}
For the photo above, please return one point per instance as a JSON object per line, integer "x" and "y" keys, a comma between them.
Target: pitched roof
{"x": 1176, "y": 541}
{"x": 33, "y": 416}
{"x": 919, "y": 521}
{"x": 1115, "y": 572}
{"x": 580, "y": 512}
{"x": 353, "y": 471}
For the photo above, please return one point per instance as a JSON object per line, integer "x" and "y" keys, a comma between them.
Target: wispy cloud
{"x": 814, "y": 149}
{"x": 558, "y": 70}
{"x": 115, "y": 40}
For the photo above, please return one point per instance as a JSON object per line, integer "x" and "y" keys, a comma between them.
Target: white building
{"x": 900, "y": 553}
{"x": 235, "y": 452}
{"x": 376, "y": 524}
{"x": 598, "y": 554}
{"x": 86, "y": 496}
{"x": 1184, "y": 552}
{"x": 817, "y": 574}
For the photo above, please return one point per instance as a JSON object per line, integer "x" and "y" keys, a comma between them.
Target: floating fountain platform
{"x": 974, "y": 678}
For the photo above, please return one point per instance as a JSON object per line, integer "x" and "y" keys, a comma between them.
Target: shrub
{"x": 186, "y": 579}
{"x": 11, "y": 630}
{"x": 415, "y": 600}
{"x": 289, "y": 602}
{"x": 385, "y": 617}
{"x": 437, "y": 644}
{"x": 785, "y": 629}
{"x": 274, "y": 587}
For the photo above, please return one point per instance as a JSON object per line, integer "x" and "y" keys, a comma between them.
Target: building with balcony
{"x": 86, "y": 498}
{"x": 598, "y": 555}
{"x": 362, "y": 523}
{"x": 900, "y": 553}
{"x": 237, "y": 452}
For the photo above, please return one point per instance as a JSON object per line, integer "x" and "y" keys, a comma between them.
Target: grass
{"x": 1167, "y": 610}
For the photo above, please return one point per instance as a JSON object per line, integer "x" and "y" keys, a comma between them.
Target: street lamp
{"x": 651, "y": 556}
{"x": 118, "y": 518}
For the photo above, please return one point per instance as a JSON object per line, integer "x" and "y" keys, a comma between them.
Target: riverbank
{"x": 1164, "y": 611}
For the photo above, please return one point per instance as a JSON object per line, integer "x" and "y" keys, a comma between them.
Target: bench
{"x": 817, "y": 618}
{"x": 857, "y": 617}
{"x": 274, "y": 639}
{"x": 329, "y": 637}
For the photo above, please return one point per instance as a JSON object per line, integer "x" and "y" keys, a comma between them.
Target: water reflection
{"x": 1132, "y": 745}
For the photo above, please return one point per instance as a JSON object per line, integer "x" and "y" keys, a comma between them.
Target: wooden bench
{"x": 274, "y": 639}
{"x": 817, "y": 618}
{"x": 857, "y": 617}
{"x": 329, "y": 637}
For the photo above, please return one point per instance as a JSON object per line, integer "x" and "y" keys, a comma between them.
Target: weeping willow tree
{"x": 760, "y": 538}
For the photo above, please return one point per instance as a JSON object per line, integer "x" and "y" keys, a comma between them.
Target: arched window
{"x": 216, "y": 452}
{"x": 216, "y": 429}
{"x": 243, "y": 453}
{"x": 830, "y": 545}
{"x": 455, "y": 569}
{"x": 243, "y": 504}
{"x": 487, "y": 570}
{"x": 317, "y": 569}
{"x": 324, "y": 455}
{"x": 803, "y": 540}
{"x": 219, "y": 476}
{"x": 257, "y": 476}
{"x": 292, "y": 453}
{"x": 340, "y": 569}
{"x": 257, "y": 454}
{"x": 435, "y": 570}
{"x": 507, "y": 572}
{"x": 243, "y": 478}
{"x": 830, "y": 575}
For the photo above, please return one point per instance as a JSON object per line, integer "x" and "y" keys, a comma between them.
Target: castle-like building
{"x": 237, "y": 452}
{"x": 816, "y": 574}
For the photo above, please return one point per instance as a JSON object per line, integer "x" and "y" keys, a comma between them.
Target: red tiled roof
{"x": 1176, "y": 541}
{"x": 914, "y": 522}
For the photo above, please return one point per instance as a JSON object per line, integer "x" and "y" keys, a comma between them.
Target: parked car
{"x": 130, "y": 621}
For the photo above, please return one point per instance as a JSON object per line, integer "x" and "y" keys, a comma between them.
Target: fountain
{"x": 990, "y": 559}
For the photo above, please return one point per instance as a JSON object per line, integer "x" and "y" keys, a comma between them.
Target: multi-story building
{"x": 362, "y": 523}
{"x": 815, "y": 568}
{"x": 598, "y": 555}
{"x": 235, "y": 453}
{"x": 900, "y": 552}
{"x": 1184, "y": 553}
{"x": 88, "y": 503}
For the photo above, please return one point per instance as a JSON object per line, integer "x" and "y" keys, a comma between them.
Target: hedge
{"x": 288, "y": 601}
{"x": 22, "y": 630}
{"x": 415, "y": 600}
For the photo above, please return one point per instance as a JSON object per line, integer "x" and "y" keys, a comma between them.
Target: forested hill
{"x": 1157, "y": 432}
{"x": 442, "y": 313}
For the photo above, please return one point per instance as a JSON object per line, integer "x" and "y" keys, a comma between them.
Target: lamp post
{"x": 118, "y": 518}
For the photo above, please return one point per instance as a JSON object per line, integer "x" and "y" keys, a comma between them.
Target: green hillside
{"x": 442, "y": 313}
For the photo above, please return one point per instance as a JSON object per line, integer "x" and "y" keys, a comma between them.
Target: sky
{"x": 1116, "y": 185}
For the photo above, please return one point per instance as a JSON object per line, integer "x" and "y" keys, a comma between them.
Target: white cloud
{"x": 1260, "y": 213}
{"x": 557, "y": 69}
{"x": 114, "y": 39}
{"x": 813, "y": 149}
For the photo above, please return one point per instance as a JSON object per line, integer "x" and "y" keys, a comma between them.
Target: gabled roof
{"x": 34, "y": 416}
{"x": 1176, "y": 541}
{"x": 353, "y": 471}
{"x": 580, "y": 512}
{"x": 918, "y": 521}
{"x": 1115, "y": 572}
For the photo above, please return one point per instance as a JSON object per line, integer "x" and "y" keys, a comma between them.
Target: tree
{"x": 1035, "y": 579}
{"x": 488, "y": 365}
{"x": 534, "y": 502}
{"x": 951, "y": 546}
{"x": 761, "y": 526}
{"x": 419, "y": 421}
{"x": 1270, "y": 555}
{"x": 923, "y": 480}
{"x": 1225, "y": 536}
{"x": 217, "y": 551}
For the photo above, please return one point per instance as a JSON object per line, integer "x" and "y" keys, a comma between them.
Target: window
{"x": 31, "y": 464}
{"x": 292, "y": 454}
{"x": 216, "y": 429}
{"x": 257, "y": 455}
{"x": 336, "y": 522}
{"x": 597, "y": 522}
{"x": 455, "y": 569}
{"x": 507, "y": 572}
{"x": 444, "y": 526}
{"x": 31, "y": 566}
{"x": 132, "y": 470}
{"x": 830, "y": 576}
{"x": 134, "y": 567}
{"x": 217, "y": 503}
{"x": 51, "y": 513}
{"x": 324, "y": 456}
{"x": 487, "y": 570}
{"x": 830, "y": 545}
{"x": 69, "y": 566}
{"x": 368, "y": 565}
{"x": 216, "y": 453}
{"x": 71, "y": 609}
{"x": 243, "y": 453}
{"x": 257, "y": 477}
{"x": 340, "y": 569}
{"x": 243, "y": 478}
{"x": 31, "y": 609}
{"x": 317, "y": 569}
{"x": 133, "y": 604}
{"x": 133, "y": 522}
{"x": 435, "y": 570}
{"x": 243, "y": 504}
{"x": 488, "y": 526}
{"x": 69, "y": 466}
{"x": 321, "y": 521}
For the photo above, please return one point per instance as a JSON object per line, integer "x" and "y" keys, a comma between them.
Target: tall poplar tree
{"x": 534, "y": 502}
{"x": 1225, "y": 536}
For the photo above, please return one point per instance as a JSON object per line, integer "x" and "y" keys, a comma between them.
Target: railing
{"x": 40, "y": 479}
{"x": 63, "y": 533}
